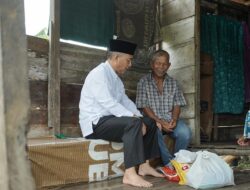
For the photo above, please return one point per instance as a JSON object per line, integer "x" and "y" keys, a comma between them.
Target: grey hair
{"x": 110, "y": 54}
{"x": 157, "y": 54}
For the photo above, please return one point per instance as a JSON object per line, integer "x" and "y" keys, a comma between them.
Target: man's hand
{"x": 173, "y": 123}
{"x": 166, "y": 126}
{"x": 159, "y": 125}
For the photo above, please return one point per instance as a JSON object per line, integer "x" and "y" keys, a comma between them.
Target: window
{"x": 37, "y": 17}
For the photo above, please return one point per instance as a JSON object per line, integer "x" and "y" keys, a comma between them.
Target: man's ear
{"x": 116, "y": 56}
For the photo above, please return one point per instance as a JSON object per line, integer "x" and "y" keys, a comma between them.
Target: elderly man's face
{"x": 123, "y": 63}
{"x": 160, "y": 66}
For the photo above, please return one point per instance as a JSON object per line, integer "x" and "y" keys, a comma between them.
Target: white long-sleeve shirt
{"x": 103, "y": 94}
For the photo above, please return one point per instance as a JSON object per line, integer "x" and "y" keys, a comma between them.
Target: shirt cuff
{"x": 138, "y": 113}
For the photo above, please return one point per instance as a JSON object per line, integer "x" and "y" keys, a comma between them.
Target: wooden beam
{"x": 197, "y": 29}
{"x": 231, "y": 4}
{"x": 54, "y": 68}
{"x": 3, "y": 149}
{"x": 209, "y": 7}
{"x": 235, "y": 152}
{"x": 15, "y": 170}
{"x": 243, "y": 2}
{"x": 248, "y": 20}
{"x": 225, "y": 151}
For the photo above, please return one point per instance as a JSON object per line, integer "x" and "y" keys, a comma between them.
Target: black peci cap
{"x": 122, "y": 46}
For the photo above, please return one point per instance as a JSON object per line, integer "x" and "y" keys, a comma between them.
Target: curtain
{"x": 87, "y": 21}
{"x": 223, "y": 39}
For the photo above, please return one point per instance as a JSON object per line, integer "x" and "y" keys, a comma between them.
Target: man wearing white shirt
{"x": 107, "y": 113}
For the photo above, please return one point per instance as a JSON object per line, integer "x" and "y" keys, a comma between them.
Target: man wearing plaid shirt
{"x": 160, "y": 98}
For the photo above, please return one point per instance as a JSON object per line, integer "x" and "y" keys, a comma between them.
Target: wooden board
{"x": 188, "y": 110}
{"x": 192, "y": 125}
{"x": 243, "y": 2}
{"x": 39, "y": 45}
{"x": 241, "y": 179}
{"x": 185, "y": 78}
{"x": 179, "y": 32}
{"x": 39, "y": 130}
{"x": 38, "y": 94}
{"x": 38, "y": 67}
{"x": 75, "y": 77}
{"x": 181, "y": 55}
{"x": 80, "y": 58}
{"x": 70, "y": 97}
{"x": 162, "y": 2}
{"x": 71, "y": 130}
{"x": 176, "y": 10}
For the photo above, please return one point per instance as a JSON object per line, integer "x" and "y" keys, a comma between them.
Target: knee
{"x": 137, "y": 122}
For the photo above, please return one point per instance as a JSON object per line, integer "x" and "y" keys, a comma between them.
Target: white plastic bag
{"x": 209, "y": 171}
{"x": 185, "y": 156}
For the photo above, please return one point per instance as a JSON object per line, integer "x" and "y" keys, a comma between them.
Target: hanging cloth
{"x": 88, "y": 21}
{"x": 223, "y": 39}
{"x": 137, "y": 21}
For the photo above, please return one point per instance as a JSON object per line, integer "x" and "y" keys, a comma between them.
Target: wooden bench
{"x": 57, "y": 162}
{"x": 63, "y": 161}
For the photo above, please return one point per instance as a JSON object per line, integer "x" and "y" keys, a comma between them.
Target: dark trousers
{"x": 137, "y": 148}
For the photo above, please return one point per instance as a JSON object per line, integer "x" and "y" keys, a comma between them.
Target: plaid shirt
{"x": 161, "y": 104}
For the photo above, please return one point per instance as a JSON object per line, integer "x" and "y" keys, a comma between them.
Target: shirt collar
{"x": 165, "y": 78}
{"x": 112, "y": 71}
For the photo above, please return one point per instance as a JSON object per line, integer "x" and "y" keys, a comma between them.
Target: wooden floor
{"x": 242, "y": 180}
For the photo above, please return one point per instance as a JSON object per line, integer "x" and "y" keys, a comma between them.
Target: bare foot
{"x": 243, "y": 141}
{"x": 146, "y": 169}
{"x": 132, "y": 178}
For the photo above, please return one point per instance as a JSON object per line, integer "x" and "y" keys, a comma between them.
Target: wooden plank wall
{"x": 179, "y": 19}
{"x": 76, "y": 62}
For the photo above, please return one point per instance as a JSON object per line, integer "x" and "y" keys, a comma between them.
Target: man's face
{"x": 123, "y": 63}
{"x": 160, "y": 66}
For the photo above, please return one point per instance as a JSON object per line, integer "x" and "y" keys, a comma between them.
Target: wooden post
{"x": 215, "y": 128}
{"x": 54, "y": 68}
{"x": 14, "y": 98}
{"x": 248, "y": 20}
{"x": 197, "y": 71}
{"x": 3, "y": 152}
